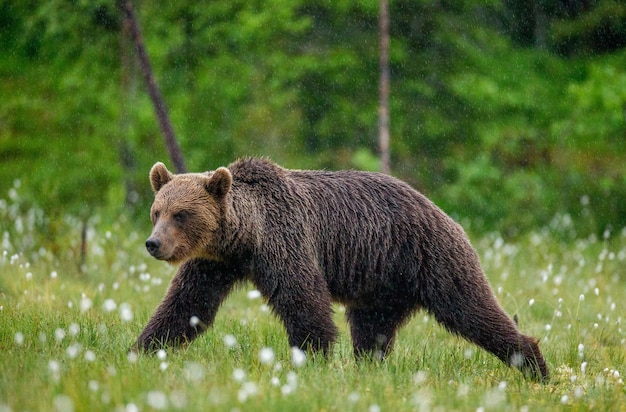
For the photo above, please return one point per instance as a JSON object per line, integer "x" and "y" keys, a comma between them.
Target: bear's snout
{"x": 153, "y": 246}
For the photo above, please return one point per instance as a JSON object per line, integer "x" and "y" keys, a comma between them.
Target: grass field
{"x": 64, "y": 337}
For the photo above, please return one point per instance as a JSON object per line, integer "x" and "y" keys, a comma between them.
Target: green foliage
{"x": 487, "y": 115}
{"x": 601, "y": 28}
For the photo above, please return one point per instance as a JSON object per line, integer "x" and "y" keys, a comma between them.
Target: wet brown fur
{"x": 306, "y": 238}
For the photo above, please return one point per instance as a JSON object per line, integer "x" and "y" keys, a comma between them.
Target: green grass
{"x": 64, "y": 338}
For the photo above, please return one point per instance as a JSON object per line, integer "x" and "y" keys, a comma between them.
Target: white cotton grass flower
{"x": 291, "y": 385}
{"x": 286, "y": 390}
{"x": 161, "y": 354}
{"x": 55, "y": 369}
{"x": 516, "y": 359}
{"x": 126, "y": 312}
{"x": 63, "y": 403}
{"x": 109, "y": 305}
{"x": 59, "y": 334}
{"x": 463, "y": 390}
{"x": 494, "y": 398}
{"x": 194, "y": 371}
{"x": 178, "y": 399}
{"x": 74, "y": 329}
{"x": 90, "y": 356}
{"x": 253, "y": 294}
{"x": 131, "y": 407}
{"x": 266, "y": 356}
{"x": 247, "y": 389}
{"x": 298, "y": 357}
{"x": 19, "y": 338}
{"x": 54, "y": 366}
{"x": 85, "y": 304}
{"x": 578, "y": 392}
{"x": 157, "y": 400}
{"x": 420, "y": 377}
{"x": 239, "y": 375}
{"x": 132, "y": 356}
{"x": 73, "y": 350}
{"x": 230, "y": 341}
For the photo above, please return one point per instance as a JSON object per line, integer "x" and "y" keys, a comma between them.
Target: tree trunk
{"x": 155, "y": 95}
{"x": 128, "y": 86}
{"x": 383, "y": 114}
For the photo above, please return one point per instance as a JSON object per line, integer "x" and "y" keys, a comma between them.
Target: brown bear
{"x": 307, "y": 238}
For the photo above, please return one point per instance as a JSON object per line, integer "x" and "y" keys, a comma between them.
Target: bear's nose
{"x": 153, "y": 246}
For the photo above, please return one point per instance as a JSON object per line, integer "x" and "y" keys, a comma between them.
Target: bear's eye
{"x": 155, "y": 216}
{"x": 180, "y": 217}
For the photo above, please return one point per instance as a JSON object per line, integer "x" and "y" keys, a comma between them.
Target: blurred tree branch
{"x": 160, "y": 108}
{"x": 383, "y": 114}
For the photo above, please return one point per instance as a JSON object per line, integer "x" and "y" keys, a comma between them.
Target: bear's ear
{"x": 159, "y": 176}
{"x": 219, "y": 182}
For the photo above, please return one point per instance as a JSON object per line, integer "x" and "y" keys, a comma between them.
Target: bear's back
{"x": 362, "y": 227}
{"x": 332, "y": 201}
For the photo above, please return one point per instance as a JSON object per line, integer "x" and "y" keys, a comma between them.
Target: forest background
{"x": 508, "y": 114}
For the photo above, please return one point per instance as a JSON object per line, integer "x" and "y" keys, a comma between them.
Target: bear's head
{"x": 186, "y": 214}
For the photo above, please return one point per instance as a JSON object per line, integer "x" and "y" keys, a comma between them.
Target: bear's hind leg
{"x": 373, "y": 331}
{"x": 466, "y": 306}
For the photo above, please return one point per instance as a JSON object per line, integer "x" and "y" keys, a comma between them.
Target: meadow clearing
{"x": 65, "y": 335}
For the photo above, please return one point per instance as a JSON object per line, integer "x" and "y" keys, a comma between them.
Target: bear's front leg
{"x": 303, "y": 303}
{"x": 197, "y": 291}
